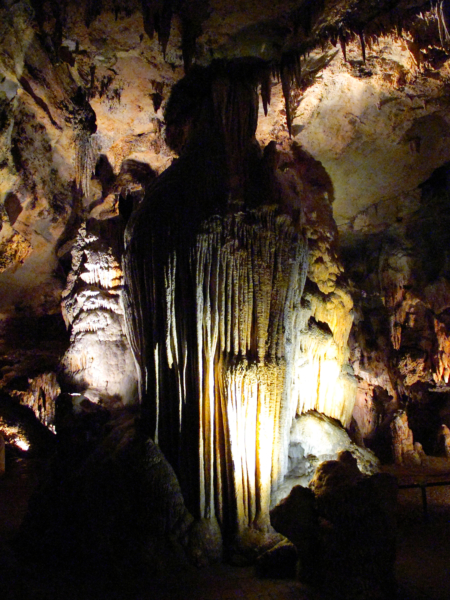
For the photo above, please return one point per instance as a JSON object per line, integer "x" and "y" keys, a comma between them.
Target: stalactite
{"x": 92, "y": 11}
{"x": 241, "y": 299}
{"x": 343, "y": 47}
{"x": 266, "y": 89}
{"x": 164, "y": 24}
{"x": 290, "y": 72}
{"x": 363, "y": 45}
{"x": 286, "y": 87}
{"x": 247, "y": 270}
{"x": 157, "y": 16}
{"x": 319, "y": 381}
{"x": 87, "y": 151}
{"x": 343, "y": 39}
{"x": 217, "y": 315}
{"x": 442, "y": 13}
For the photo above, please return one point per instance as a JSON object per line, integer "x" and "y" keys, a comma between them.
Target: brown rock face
{"x": 400, "y": 348}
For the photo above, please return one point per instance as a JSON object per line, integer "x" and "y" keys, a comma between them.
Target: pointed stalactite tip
{"x": 363, "y": 45}
{"x": 343, "y": 44}
{"x": 266, "y": 89}
{"x": 286, "y": 86}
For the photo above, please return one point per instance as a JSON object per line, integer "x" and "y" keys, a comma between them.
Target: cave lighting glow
{"x": 15, "y": 436}
{"x": 21, "y": 443}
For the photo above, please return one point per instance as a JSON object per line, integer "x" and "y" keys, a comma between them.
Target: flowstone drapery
{"x": 218, "y": 320}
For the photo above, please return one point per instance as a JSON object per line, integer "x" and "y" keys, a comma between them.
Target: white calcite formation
{"x": 99, "y": 361}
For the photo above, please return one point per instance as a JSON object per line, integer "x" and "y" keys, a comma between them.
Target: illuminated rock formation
{"x": 400, "y": 344}
{"x": 99, "y": 361}
{"x": 229, "y": 344}
{"x": 41, "y": 397}
{"x": 403, "y": 446}
{"x": 237, "y": 305}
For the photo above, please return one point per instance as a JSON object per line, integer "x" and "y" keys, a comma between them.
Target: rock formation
{"x": 99, "y": 361}
{"x": 230, "y": 216}
{"x": 230, "y": 343}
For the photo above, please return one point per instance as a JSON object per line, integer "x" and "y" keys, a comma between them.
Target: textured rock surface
{"x": 403, "y": 447}
{"x": 250, "y": 314}
{"x": 68, "y": 99}
{"x": 401, "y": 286}
{"x": 41, "y": 398}
{"x": 373, "y": 131}
{"x": 99, "y": 361}
{"x": 315, "y": 438}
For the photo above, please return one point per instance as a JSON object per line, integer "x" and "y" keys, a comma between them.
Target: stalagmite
{"x": 99, "y": 361}
{"x": 41, "y": 396}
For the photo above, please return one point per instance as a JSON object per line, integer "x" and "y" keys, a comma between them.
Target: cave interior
{"x": 224, "y": 290}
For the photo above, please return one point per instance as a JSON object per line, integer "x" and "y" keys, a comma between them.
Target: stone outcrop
{"x": 405, "y": 451}
{"x": 296, "y": 517}
{"x": 358, "y": 531}
{"x": 313, "y": 439}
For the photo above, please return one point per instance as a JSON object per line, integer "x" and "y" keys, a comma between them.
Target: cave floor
{"x": 422, "y": 568}
{"x": 423, "y": 544}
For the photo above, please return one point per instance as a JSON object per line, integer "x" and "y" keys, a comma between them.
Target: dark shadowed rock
{"x": 357, "y": 535}
{"x": 278, "y": 562}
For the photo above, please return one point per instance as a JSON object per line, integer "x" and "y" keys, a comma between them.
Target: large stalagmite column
{"x": 215, "y": 273}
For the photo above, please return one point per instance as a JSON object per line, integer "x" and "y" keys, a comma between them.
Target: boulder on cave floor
{"x": 344, "y": 530}
{"x": 358, "y": 528}
{"x": 296, "y": 517}
{"x": 278, "y": 562}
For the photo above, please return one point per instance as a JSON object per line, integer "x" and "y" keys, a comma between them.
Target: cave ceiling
{"x": 370, "y": 103}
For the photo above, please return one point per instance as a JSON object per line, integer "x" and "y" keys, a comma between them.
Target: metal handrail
{"x": 423, "y": 489}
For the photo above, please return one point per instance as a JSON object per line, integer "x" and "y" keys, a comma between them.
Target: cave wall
{"x": 399, "y": 342}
